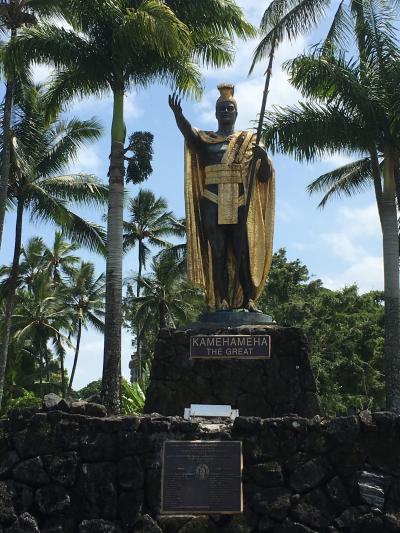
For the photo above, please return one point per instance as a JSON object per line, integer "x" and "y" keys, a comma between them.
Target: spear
{"x": 253, "y": 167}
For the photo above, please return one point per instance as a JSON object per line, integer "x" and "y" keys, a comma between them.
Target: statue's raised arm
{"x": 223, "y": 242}
{"x": 183, "y": 124}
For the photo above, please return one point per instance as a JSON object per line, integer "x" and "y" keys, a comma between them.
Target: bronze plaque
{"x": 202, "y": 477}
{"x": 230, "y": 347}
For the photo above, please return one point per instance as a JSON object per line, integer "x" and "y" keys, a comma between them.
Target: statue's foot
{"x": 251, "y": 306}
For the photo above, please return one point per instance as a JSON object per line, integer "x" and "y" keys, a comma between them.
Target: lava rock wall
{"x": 281, "y": 385}
{"x": 63, "y": 472}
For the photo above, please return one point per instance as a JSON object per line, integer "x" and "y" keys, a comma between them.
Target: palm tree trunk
{"x": 5, "y": 163}
{"x": 62, "y": 370}
{"x": 140, "y": 269}
{"x": 113, "y": 319}
{"x": 12, "y": 287}
{"x": 78, "y": 343}
{"x": 162, "y": 314}
{"x": 138, "y": 347}
{"x": 376, "y": 173}
{"x": 392, "y": 297}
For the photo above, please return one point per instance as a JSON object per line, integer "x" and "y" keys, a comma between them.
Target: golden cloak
{"x": 260, "y": 222}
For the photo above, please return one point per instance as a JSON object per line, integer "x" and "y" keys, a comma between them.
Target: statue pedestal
{"x": 281, "y": 385}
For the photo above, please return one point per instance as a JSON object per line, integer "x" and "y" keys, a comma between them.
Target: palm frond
{"x": 68, "y": 138}
{"x": 345, "y": 180}
{"x": 83, "y": 189}
{"x": 287, "y": 20}
{"x": 309, "y": 131}
{"x": 339, "y": 31}
{"x": 331, "y": 79}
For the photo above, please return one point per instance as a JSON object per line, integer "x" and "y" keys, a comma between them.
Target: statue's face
{"x": 226, "y": 113}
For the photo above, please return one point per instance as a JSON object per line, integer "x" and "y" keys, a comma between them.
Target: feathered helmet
{"x": 227, "y": 91}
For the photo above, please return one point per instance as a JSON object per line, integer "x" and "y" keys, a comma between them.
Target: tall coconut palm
{"x": 114, "y": 46}
{"x": 149, "y": 222}
{"x": 87, "y": 300}
{"x": 13, "y": 16}
{"x": 42, "y": 316}
{"x": 168, "y": 298}
{"x": 59, "y": 259}
{"x": 356, "y": 111}
{"x": 42, "y": 148}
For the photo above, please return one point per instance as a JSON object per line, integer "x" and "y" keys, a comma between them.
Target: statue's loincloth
{"x": 228, "y": 177}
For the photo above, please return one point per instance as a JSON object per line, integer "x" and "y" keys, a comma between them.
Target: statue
{"x": 216, "y": 180}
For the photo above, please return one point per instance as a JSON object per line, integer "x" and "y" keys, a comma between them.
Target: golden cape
{"x": 260, "y": 223}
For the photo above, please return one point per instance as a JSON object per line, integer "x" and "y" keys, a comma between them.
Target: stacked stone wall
{"x": 62, "y": 472}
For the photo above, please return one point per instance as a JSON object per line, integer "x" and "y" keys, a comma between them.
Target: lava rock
{"x": 98, "y": 526}
{"x": 22, "y": 496}
{"x": 310, "y": 474}
{"x": 130, "y": 473}
{"x": 146, "y": 524}
{"x": 7, "y": 461}
{"x": 314, "y": 510}
{"x": 337, "y": 493}
{"x": 62, "y": 468}
{"x": 52, "y": 499}
{"x": 25, "y": 523}
{"x": 7, "y": 511}
{"x": 371, "y": 488}
{"x": 51, "y": 401}
{"x": 31, "y": 472}
{"x": 96, "y": 488}
{"x": 265, "y": 474}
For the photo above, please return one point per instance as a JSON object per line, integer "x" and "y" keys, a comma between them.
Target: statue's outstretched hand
{"x": 175, "y": 104}
{"x": 266, "y": 169}
{"x": 259, "y": 152}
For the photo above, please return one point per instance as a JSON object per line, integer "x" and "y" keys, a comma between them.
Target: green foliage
{"x": 26, "y": 399}
{"x": 345, "y": 330}
{"x": 91, "y": 389}
{"x": 133, "y": 398}
{"x": 139, "y": 165}
{"x": 55, "y": 294}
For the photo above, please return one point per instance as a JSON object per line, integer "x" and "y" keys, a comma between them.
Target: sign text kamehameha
{"x": 230, "y": 347}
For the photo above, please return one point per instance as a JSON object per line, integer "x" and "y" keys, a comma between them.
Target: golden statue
{"x": 216, "y": 186}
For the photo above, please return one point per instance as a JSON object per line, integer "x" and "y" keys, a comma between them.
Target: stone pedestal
{"x": 281, "y": 385}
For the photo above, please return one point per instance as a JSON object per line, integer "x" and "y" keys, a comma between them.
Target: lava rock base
{"x": 281, "y": 385}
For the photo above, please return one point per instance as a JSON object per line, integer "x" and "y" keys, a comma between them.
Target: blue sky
{"x": 341, "y": 244}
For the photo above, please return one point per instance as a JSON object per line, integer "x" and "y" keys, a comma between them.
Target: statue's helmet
{"x": 227, "y": 91}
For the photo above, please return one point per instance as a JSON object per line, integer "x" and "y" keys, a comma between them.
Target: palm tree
{"x": 149, "y": 222}
{"x": 113, "y": 46}
{"x": 42, "y": 148}
{"x": 356, "y": 111}
{"x": 42, "y": 316}
{"x": 16, "y": 14}
{"x": 168, "y": 298}
{"x": 86, "y": 299}
{"x": 60, "y": 259}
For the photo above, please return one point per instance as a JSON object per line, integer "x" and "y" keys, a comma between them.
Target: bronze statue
{"x": 216, "y": 179}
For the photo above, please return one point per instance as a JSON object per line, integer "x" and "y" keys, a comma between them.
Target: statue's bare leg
{"x": 218, "y": 239}
{"x": 249, "y": 292}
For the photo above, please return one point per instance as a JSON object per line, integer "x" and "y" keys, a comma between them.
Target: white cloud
{"x": 366, "y": 272}
{"x": 343, "y": 246}
{"x": 41, "y": 73}
{"x": 352, "y": 243}
{"x": 88, "y": 161}
{"x": 362, "y": 221}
